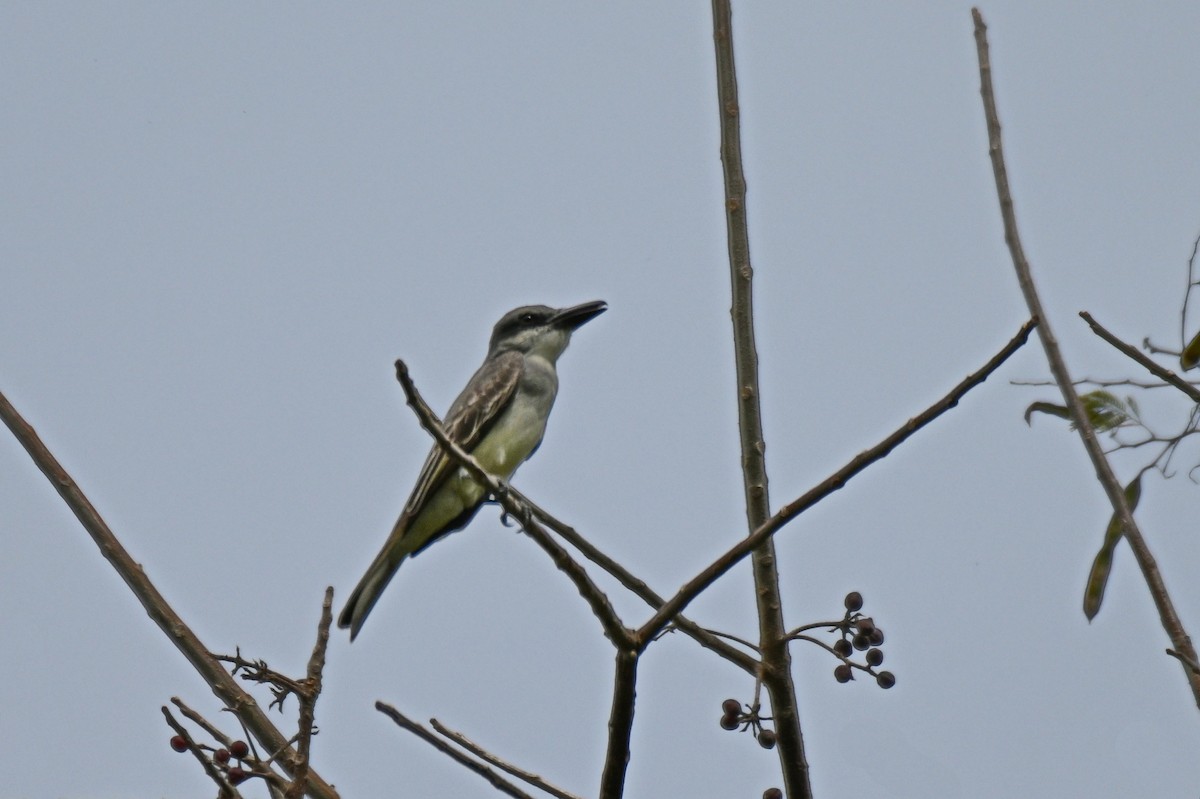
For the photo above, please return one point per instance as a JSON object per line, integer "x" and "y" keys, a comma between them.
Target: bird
{"x": 500, "y": 418}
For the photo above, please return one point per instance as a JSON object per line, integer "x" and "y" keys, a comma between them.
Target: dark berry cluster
{"x": 859, "y": 633}
{"x": 733, "y": 716}
{"x": 238, "y": 750}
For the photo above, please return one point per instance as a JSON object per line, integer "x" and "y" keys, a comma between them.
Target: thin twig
{"x": 483, "y": 754}
{"x": 1191, "y": 283}
{"x": 308, "y": 696}
{"x": 1132, "y": 352}
{"x": 776, "y": 672}
{"x": 1102, "y": 383}
{"x": 221, "y": 682}
{"x": 497, "y": 782}
{"x": 225, "y": 790}
{"x": 1058, "y": 367}
{"x": 1185, "y": 660}
{"x": 835, "y": 481}
{"x": 196, "y": 718}
{"x": 614, "y": 629}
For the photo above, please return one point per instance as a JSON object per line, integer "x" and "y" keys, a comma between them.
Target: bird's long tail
{"x": 370, "y": 588}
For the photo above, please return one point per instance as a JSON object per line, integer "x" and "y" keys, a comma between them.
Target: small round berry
{"x": 861, "y": 642}
{"x": 843, "y": 673}
{"x": 221, "y": 755}
{"x": 854, "y": 602}
{"x": 772, "y": 793}
{"x": 239, "y": 749}
{"x": 874, "y": 657}
{"x": 766, "y": 739}
{"x": 729, "y": 722}
{"x": 842, "y": 648}
{"x": 865, "y": 625}
{"x": 179, "y": 743}
{"x": 876, "y": 637}
{"x": 886, "y": 679}
{"x": 236, "y": 776}
{"x": 731, "y": 707}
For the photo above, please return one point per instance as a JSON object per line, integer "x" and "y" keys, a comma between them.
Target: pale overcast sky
{"x": 222, "y": 222}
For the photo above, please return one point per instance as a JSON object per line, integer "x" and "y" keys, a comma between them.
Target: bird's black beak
{"x": 573, "y": 318}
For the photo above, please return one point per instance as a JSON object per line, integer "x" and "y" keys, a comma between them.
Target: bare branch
{"x": 497, "y": 782}
{"x": 776, "y": 672}
{"x": 308, "y": 697}
{"x": 706, "y": 638}
{"x": 225, "y": 790}
{"x": 500, "y": 763}
{"x": 620, "y": 724}
{"x": 1058, "y": 367}
{"x": 1151, "y": 366}
{"x": 199, "y": 720}
{"x": 1191, "y": 283}
{"x": 221, "y": 682}
{"x": 835, "y": 481}
{"x": 1185, "y": 660}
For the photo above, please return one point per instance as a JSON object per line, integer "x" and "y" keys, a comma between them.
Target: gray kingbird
{"x": 499, "y": 418}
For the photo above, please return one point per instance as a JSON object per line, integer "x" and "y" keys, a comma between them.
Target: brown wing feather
{"x": 468, "y": 420}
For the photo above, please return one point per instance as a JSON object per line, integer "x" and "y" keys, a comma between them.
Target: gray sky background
{"x": 221, "y": 223}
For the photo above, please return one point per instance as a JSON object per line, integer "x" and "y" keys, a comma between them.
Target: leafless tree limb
{"x": 497, "y": 782}
{"x": 221, "y": 682}
{"x": 1154, "y": 368}
{"x": 1116, "y": 494}
{"x": 706, "y": 638}
{"x": 620, "y": 724}
{"x": 224, "y": 789}
{"x": 199, "y": 720}
{"x": 776, "y": 672}
{"x": 835, "y": 481}
{"x": 308, "y": 697}
{"x": 500, "y": 763}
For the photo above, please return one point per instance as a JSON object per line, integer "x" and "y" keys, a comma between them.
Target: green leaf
{"x": 1105, "y": 410}
{"x": 1097, "y": 580}
{"x": 1190, "y": 357}
{"x": 1060, "y": 411}
{"x": 1093, "y": 593}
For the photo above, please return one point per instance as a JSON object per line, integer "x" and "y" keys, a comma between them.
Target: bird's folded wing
{"x": 474, "y": 412}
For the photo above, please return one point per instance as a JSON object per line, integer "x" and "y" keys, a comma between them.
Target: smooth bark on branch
{"x": 1155, "y": 369}
{"x": 691, "y": 589}
{"x": 776, "y": 672}
{"x": 1168, "y": 617}
{"x": 496, "y": 781}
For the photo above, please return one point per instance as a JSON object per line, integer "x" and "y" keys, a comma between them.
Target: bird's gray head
{"x": 540, "y": 329}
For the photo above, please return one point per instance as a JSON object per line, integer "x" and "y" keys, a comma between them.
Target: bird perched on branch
{"x": 500, "y": 418}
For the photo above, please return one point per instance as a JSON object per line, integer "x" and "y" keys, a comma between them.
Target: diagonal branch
{"x": 500, "y": 763}
{"x": 706, "y": 638}
{"x": 1058, "y": 367}
{"x": 1153, "y": 367}
{"x": 835, "y": 481}
{"x": 221, "y": 682}
{"x": 224, "y": 789}
{"x": 497, "y": 782}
